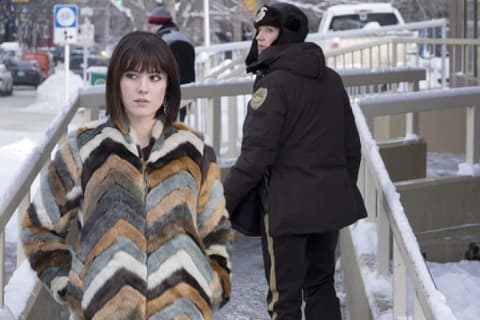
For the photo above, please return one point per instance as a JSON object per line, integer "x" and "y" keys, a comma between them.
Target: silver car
{"x": 6, "y": 80}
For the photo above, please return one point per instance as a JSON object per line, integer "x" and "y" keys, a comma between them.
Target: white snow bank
{"x": 51, "y": 93}
{"x": 13, "y": 155}
{"x": 467, "y": 169}
{"x": 19, "y": 288}
{"x": 460, "y": 283}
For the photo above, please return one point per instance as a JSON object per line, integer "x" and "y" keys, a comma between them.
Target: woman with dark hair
{"x": 300, "y": 132}
{"x": 154, "y": 236}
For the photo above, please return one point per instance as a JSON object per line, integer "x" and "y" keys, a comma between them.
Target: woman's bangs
{"x": 143, "y": 59}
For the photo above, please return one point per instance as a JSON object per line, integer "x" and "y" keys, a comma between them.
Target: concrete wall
{"x": 444, "y": 213}
{"x": 389, "y": 127}
{"x": 404, "y": 159}
{"x": 444, "y": 131}
{"x": 433, "y": 128}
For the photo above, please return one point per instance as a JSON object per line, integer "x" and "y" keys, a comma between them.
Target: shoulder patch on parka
{"x": 258, "y": 98}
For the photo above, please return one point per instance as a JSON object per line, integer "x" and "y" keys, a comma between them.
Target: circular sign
{"x": 65, "y": 17}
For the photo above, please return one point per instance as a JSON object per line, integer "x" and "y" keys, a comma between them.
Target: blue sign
{"x": 65, "y": 22}
{"x": 65, "y": 15}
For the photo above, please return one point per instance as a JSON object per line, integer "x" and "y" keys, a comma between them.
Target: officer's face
{"x": 266, "y": 36}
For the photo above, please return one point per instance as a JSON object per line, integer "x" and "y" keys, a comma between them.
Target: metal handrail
{"x": 433, "y": 306}
{"x": 389, "y": 207}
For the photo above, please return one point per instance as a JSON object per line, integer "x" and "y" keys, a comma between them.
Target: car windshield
{"x": 358, "y": 21}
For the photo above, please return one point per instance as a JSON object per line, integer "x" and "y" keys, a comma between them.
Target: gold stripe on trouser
{"x": 272, "y": 283}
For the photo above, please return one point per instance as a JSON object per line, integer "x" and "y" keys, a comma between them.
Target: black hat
{"x": 159, "y": 15}
{"x": 291, "y": 21}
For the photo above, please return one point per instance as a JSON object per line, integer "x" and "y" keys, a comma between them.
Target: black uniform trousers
{"x": 296, "y": 265}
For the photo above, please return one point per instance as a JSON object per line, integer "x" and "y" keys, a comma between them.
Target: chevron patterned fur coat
{"x": 154, "y": 239}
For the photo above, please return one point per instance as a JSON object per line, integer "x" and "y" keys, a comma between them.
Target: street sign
{"x": 65, "y": 17}
{"x": 86, "y": 11}
{"x": 87, "y": 34}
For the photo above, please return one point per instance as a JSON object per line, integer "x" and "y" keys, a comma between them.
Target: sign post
{"x": 87, "y": 36}
{"x": 65, "y": 17}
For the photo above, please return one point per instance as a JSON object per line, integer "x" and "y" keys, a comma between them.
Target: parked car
{"x": 44, "y": 60}
{"x": 59, "y": 53}
{"x": 76, "y": 63}
{"x": 6, "y": 81}
{"x": 26, "y": 72}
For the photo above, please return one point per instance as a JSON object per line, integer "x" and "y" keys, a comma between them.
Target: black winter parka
{"x": 300, "y": 130}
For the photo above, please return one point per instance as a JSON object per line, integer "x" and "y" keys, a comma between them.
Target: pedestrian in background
{"x": 161, "y": 22}
{"x": 299, "y": 131}
{"x": 154, "y": 236}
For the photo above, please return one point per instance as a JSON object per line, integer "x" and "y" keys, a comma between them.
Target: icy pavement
{"x": 443, "y": 164}
{"x": 248, "y": 283}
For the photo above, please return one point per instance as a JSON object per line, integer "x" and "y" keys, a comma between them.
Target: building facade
{"x": 465, "y": 23}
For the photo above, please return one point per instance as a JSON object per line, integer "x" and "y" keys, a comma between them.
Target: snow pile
{"x": 467, "y": 169}
{"x": 19, "y": 288}
{"x": 459, "y": 281}
{"x": 51, "y": 93}
{"x": 13, "y": 156}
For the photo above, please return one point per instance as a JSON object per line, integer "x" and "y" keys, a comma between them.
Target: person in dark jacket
{"x": 300, "y": 132}
{"x": 161, "y": 22}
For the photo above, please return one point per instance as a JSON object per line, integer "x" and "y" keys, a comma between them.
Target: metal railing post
{"x": 418, "y": 313}
{"x": 217, "y": 124}
{"x": 412, "y": 125}
{"x": 23, "y": 206}
{"x": 444, "y": 56}
{"x": 472, "y": 155}
{"x": 383, "y": 239}
{"x": 399, "y": 284}
{"x": 232, "y": 126}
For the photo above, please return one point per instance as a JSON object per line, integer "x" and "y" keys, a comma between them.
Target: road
{"x": 17, "y": 121}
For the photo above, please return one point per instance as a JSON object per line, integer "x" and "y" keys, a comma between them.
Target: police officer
{"x": 160, "y": 21}
{"x": 299, "y": 131}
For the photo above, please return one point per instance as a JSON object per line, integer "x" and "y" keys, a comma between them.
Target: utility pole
{"x": 107, "y": 24}
{"x": 206, "y": 22}
{"x": 237, "y": 23}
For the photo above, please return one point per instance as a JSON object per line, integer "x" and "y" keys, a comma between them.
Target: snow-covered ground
{"x": 459, "y": 282}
